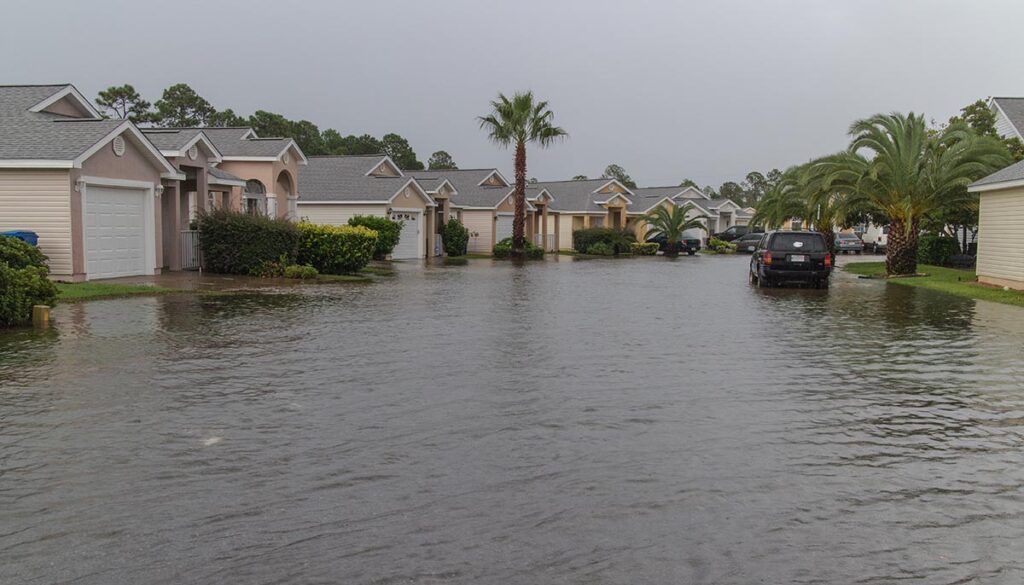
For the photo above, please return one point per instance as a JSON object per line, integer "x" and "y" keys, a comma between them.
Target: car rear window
{"x": 802, "y": 242}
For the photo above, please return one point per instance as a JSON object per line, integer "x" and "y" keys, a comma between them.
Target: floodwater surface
{"x": 599, "y": 422}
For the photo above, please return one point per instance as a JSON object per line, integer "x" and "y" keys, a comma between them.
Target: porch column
{"x": 430, "y": 214}
{"x": 235, "y": 198}
{"x": 558, "y": 232}
{"x": 172, "y": 209}
{"x": 544, "y": 228}
{"x": 446, "y": 210}
{"x": 529, "y": 226}
{"x": 202, "y": 189}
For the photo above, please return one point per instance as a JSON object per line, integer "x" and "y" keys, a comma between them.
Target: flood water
{"x": 599, "y": 422}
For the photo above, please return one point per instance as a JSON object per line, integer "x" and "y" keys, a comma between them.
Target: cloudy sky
{"x": 707, "y": 90}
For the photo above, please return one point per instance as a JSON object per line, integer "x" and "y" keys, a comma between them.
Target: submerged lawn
{"x": 962, "y": 283}
{"x": 84, "y": 291}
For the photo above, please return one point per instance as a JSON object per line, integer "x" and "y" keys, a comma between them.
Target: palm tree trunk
{"x": 830, "y": 239}
{"x": 519, "y": 221}
{"x": 901, "y": 250}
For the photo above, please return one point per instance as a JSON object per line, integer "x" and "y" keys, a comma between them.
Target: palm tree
{"x": 671, "y": 222}
{"x": 911, "y": 172}
{"x": 517, "y": 121}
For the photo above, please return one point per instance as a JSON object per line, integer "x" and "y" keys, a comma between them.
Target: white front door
{"x": 117, "y": 232}
{"x": 410, "y": 242}
{"x": 503, "y": 227}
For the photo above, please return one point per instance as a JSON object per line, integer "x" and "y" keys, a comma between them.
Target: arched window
{"x": 254, "y": 197}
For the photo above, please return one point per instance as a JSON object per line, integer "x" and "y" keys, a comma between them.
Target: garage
{"x": 118, "y": 232}
{"x": 503, "y": 227}
{"x": 410, "y": 244}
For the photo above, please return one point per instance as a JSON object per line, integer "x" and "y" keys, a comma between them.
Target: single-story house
{"x": 337, "y": 188}
{"x": 647, "y": 198}
{"x": 583, "y": 204}
{"x": 90, "y": 187}
{"x": 1000, "y": 216}
{"x": 1009, "y": 113}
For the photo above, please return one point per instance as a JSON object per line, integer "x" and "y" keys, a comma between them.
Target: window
{"x": 254, "y": 197}
{"x": 802, "y": 242}
{"x": 797, "y": 225}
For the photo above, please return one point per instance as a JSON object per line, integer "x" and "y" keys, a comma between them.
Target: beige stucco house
{"x": 1000, "y": 217}
{"x": 582, "y": 204}
{"x": 337, "y": 188}
{"x": 90, "y": 188}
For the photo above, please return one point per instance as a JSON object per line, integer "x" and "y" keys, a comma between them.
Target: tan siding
{"x": 333, "y": 214}
{"x": 565, "y": 232}
{"x": 481, "y": 222}
{"x": 40, "y": 201}
{"x": 1001, "y": 235}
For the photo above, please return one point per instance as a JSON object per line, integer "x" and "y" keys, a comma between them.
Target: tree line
{"x": 180, "y": 106}
{"x": 745, "y": 193}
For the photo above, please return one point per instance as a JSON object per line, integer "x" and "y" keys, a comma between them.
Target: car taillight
{"x": 828, "y": 260}
{"x": 767, "y": 257}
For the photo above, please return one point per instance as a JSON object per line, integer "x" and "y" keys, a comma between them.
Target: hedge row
{"x": 241, "y": 243}
{"x": 336, "y": 249}
{"x": 619, "y": 241}
{"x": 937, "y": 250}
{"x": 388, "y": 233}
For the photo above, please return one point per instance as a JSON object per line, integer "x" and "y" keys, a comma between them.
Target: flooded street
{"x": 599, "y": 422}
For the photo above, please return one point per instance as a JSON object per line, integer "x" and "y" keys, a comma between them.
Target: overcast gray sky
{"x": 707, "y": 90}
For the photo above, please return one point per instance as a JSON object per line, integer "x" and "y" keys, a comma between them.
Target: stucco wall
{"x": 334, "y": 214}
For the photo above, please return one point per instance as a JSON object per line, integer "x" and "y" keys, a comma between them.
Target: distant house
{"x": 1009, "y": 112}
{"x": 1000, "y": 217}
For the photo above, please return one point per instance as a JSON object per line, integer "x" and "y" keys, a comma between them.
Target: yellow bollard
{"x": 41, "y": 315}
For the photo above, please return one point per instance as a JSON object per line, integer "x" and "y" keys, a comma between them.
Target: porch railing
{"x": 438, "y": 244}
{"x": 191, "y": 255}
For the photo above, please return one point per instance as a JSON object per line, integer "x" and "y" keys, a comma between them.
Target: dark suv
{"x": 791, "y": 257}
{"x": 687, "y": 244}
{"x": 732, "y": 232}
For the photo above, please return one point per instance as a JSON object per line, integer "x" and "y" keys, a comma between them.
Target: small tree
{"x": 398, "y": 148}
{"x": 441, "y": 161}
{"x": 618, "y": 173}
{"x": 456, "y": 238}
{"x": 671, "y": 223}
{"x": 388, "y": 233}
{"x": 122, "y": 101}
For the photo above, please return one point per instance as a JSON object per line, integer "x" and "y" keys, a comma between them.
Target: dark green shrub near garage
{"x": 455, "y": 237}
{"x": 937, "y": 250}
{"x": 503, "y": 249}
{"x": 620, "y": 241}
{"x": 240, "y": 243}
{"x": 388, "y": 233}
{"x": 24, "y": 281}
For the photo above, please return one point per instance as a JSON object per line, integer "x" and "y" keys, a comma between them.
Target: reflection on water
{"x": 566, "y": 421}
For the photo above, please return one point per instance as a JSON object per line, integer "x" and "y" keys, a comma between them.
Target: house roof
{"x": 469, "y": 191}
{"x": 222, "y": 177}
{"x": 240, "y": 142}
{"x": 1010, "y": 176}
{"x": 343, "y": 179}
{"x": 1013, "y": 108}
{"x": 32, "y": 137}
{"x": 658, "y": 191}
{"x": 170, "y": 138}
{"x": 578, "y": 196}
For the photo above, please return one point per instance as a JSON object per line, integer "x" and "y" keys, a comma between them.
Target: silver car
{"x": 848, "y": 243}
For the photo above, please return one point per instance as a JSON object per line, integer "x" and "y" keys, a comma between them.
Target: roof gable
{"x": 67, "y": 100}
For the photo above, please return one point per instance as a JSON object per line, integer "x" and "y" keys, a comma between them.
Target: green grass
{"x": 85, "y": 291}
{"x": 953, "y": 281}
{"x": 343, "y": 278}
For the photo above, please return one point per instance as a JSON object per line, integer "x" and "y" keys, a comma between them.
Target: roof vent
{"x": 118, "y": 145}
{"x": 193, "y": 152}
{"x": 285, "y": 157}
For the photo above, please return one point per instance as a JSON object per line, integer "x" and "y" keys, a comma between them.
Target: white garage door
{"x": 116, "y": 232}
{"x": 409, "y": 243}
{"x": 503, "y": 227}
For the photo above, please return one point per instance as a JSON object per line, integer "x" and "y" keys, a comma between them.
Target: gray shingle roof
{"x": 576, "y": 195}
{"x": 221, "y": 174}
{"x": 41, "y": 135}
{"x": 658, "y": 192}
{"x": 1013, "y": 107}
{"x": 230, "y": 143}
{"x": 1014, "y": 172}
{"x": 170, "y": 138}
{"x": 466, "y": 183}
{"x": 343, "y": 178}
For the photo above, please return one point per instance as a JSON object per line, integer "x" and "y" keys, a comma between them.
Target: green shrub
{"x": 503, "y": 249}
{"x": 240, "y": 243}
{"x": 644, "y": 249}
{"x": 936, "y": 250}
{"x": 300, "y": 272}
{"x": 18, "y": 254}
{"x": 388, "y": 233}
{"x": 20, "y": 289}
{"x": 455, "y": 237}
{"x": 601, "y": 249}
{"x": 336, "y": 249}
{"x": 721, "y": 246}
{"x": 619, "y": 240}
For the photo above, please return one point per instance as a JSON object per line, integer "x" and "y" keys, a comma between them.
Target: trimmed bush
{"x": 300, "y": 272}
{"x": 601, "y": 249}
{"x": 503, "y": 249}
{"x": 20, "y": 289}
{"x": 455, "y": 237}
{"x": 619, "y": 240}
{"x": 388, "y": 233}
{"x": 18, "y": 254}
{"x": 644, "y": 249}
{"x": 936, "y": 250}
{"x": 240, "y": 243}
{"x": 721, "y": 246}
{"x": 336, "y": 249}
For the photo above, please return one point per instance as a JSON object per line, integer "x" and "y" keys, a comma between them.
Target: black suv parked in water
{"x": 791, "y": 257}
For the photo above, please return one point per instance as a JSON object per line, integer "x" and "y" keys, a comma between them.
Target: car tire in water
{"x": 691, "y": 253}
